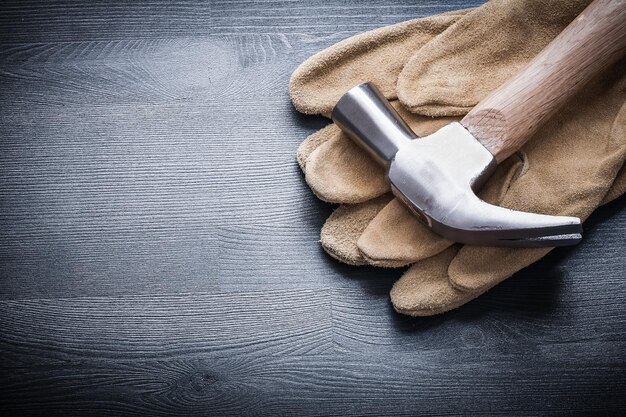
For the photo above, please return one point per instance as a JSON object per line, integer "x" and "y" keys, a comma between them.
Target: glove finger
{"x": 342, "y": 229}
{"x": 424, "y": 289}
{"x": 451, "y": 74}
{"x": 340, "y": 171}
{"x": 396, "y": 238}
{"x": 312, "y": 142}
{"x": 618, "y": 188}
{"x": 378, "y": 56}
{"x": 571, "y": 164}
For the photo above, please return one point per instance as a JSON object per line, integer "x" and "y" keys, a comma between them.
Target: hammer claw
{"x": 540, "y": 242}
{"x": 476, "y": 222}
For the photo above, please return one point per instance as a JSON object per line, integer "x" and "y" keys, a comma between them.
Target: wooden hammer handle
{"x": 509, "y": 116}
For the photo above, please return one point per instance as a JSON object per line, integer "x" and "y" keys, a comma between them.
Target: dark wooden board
{"x": 159, "y": 248}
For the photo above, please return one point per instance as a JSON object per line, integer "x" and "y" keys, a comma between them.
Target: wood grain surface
{"x": 159, "y": 248}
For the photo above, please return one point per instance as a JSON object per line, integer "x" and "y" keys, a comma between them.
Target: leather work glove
{"x": 572, "y": 165}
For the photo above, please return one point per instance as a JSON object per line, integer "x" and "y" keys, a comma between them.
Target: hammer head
{"x": 437, "y": 177}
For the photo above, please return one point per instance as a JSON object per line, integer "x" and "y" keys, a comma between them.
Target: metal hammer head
{"x": 437, "y": 176}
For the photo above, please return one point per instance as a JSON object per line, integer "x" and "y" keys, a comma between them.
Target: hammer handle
{"x": 509, "y": 116}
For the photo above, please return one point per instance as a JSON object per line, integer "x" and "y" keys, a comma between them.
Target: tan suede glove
{"x": 566, "y": 169}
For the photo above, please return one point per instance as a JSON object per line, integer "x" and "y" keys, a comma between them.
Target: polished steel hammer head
{"x": 437, "y": 176}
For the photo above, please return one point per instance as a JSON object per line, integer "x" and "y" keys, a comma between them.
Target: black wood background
{"x": 159, "y": 248}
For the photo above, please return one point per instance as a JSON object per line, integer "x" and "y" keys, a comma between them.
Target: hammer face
{"x": 437, "y": 176}
{"x": 366, "y": 117}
